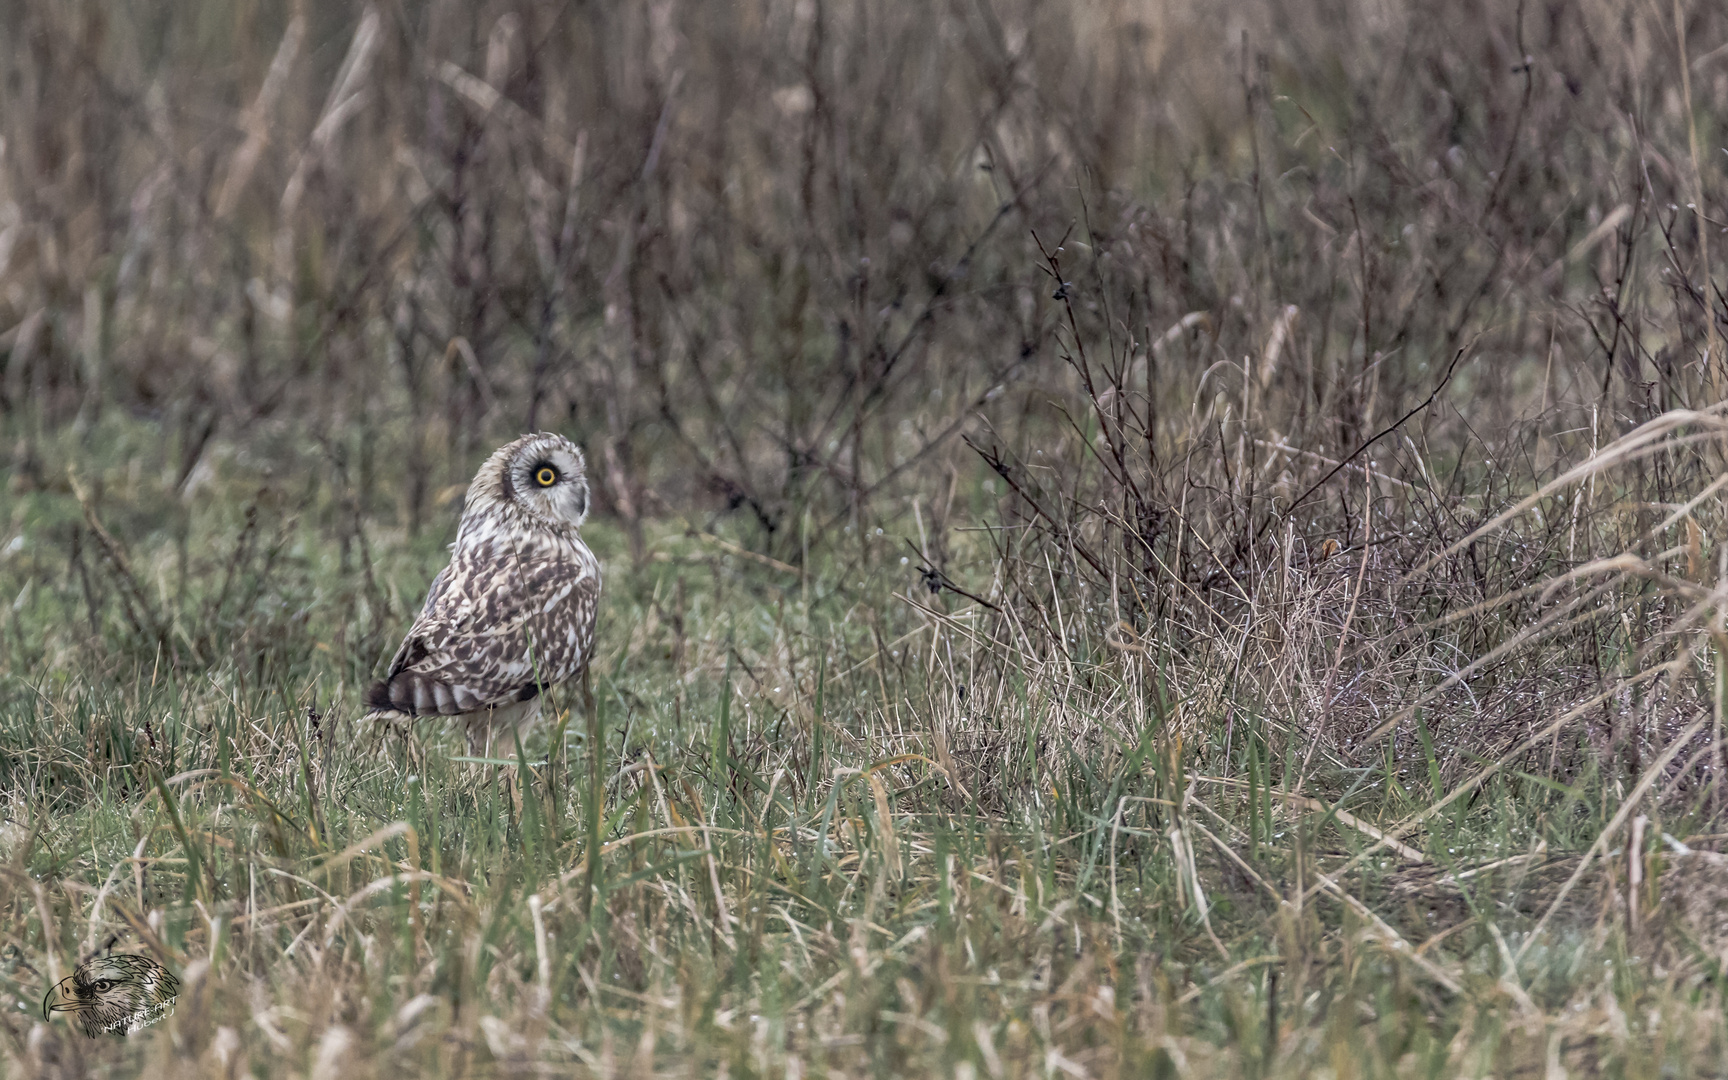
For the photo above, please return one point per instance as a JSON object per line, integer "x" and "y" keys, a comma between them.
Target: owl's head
{"x": 541, "y": 476}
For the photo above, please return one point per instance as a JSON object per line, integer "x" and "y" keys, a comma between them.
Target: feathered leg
{"x": 493, "y": 732}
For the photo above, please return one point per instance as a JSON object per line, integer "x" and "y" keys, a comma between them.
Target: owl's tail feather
{"x": 378, "y": 701}
{"x": 413, "y": 693}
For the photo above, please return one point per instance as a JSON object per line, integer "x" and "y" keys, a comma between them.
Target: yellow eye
{"x": 546, "y": 476}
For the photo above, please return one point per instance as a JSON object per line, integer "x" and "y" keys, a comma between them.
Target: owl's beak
{"x": 62, "y": 997}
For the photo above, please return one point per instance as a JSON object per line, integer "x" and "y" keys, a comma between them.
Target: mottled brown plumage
{"x": 513, "y": 613}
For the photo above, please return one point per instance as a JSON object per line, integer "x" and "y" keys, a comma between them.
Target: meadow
{"x": 1140, "y": 539}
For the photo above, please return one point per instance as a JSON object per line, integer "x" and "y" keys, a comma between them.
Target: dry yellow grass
{"x": 1142, "y": 538}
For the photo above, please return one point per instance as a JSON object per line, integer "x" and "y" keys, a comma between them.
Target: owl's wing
{"x": 405, "y": 652}
{"x": 494, "y": 630}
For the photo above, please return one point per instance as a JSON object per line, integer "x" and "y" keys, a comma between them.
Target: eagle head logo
{"x": 114, "y": 994}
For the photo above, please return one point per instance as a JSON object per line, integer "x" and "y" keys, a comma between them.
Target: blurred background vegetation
{"x": 1059, "y": 412}
{"x": 769, "y": 259}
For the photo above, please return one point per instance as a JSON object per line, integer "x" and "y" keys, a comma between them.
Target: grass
{"x": 844, "y": 830}
{"x": 1135, "y": 543}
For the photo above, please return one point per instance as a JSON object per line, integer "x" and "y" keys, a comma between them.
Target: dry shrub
{"x": 1276, "y": 408}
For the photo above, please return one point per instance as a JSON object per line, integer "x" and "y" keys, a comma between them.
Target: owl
{"x": 513, "y": 613}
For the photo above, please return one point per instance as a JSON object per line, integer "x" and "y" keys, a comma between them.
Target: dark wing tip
{"x": 412, "y": 652}
{"x": 378, "y": 699}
